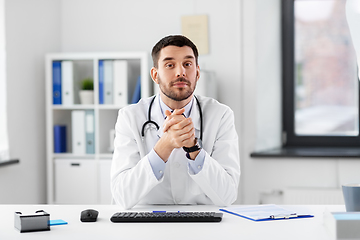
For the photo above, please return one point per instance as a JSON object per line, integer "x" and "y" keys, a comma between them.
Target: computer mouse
{"x": 89, "y": 215}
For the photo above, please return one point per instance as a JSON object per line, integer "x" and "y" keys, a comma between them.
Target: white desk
{"x": 231, "y": 227}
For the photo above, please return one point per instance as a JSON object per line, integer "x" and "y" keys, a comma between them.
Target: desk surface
{"x": 231, "y": 227}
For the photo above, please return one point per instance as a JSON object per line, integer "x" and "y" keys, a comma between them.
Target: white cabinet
{"x": 79, "y": 145}
{"x": 75, "y": 181}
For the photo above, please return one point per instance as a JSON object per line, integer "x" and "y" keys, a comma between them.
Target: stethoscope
{"x": 149, "y": 121}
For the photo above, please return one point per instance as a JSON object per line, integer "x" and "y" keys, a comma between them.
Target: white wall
{"x": 32, "y": 29}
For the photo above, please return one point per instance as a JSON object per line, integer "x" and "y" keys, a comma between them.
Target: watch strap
{"x": 194, "y": 148}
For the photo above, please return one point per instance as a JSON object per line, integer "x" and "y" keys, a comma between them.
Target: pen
{"x": 284, "y": 216}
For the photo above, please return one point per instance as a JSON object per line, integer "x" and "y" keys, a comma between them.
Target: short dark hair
{"x": 172, "y": 40}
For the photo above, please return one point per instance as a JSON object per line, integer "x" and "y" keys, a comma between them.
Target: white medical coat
{"x": 133, "y": 180}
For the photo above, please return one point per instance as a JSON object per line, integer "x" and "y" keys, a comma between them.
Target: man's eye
{"x": 187, "y": 64}
{"x": 169, "y": 65}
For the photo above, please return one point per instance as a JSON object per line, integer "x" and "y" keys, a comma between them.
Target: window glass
{"x": 326, "y": 82}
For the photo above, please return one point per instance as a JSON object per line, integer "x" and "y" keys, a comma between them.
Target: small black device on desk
{"x": 89, "y": 215}
{"x": 162, "y": 216}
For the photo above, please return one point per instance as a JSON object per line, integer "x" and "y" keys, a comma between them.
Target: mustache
{"x": 181, "y": 79}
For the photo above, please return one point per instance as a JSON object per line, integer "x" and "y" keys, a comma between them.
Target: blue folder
{"x": 101, "y": 81}
{"x": 268, "y": 212}
{"x": 59, "y": 139}
{"x": 137, "y": 92}
{"x": 56, "y": 77}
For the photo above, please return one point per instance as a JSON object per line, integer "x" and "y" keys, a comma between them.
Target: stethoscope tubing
{"x": 149, "y": 121}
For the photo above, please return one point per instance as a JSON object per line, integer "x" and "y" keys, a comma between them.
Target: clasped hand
{"x": 179, "y": 130}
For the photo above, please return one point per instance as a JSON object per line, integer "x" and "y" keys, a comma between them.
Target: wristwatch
{"x": 196, "y": 147}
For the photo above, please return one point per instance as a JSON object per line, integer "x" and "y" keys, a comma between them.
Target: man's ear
{"x": 197, "y": 72}
{"x": 154, "y": 75}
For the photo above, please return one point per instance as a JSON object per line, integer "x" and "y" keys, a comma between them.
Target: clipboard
{"x": 267, "y": 212}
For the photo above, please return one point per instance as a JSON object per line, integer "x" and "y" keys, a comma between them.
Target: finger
{"x": 184, "y": 123}
{"x": 167, "y": 113}
{"x": 178, "y": 111}
{"x": 188, "y": 132}
{"x": 172, "y": 120}
{"x": 183, "y": 134}
{"x": 185, "y": 140}
{"x": 182, "y": 137}
{"x": 188, "y": 139}
{"x": 190, "y": 142}
{"x": 188, "y": 129}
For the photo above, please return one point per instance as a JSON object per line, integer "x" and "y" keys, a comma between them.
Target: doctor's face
{"x": 177, "y": 72}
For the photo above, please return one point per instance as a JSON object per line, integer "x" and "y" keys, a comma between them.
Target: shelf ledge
{"x": 8, "y": 162}
{"x": 308, "y": 152}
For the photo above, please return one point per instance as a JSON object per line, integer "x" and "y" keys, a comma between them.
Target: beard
{"x": 181, "y": 94}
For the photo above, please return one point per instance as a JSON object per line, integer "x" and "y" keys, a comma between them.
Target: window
{"x": 320, "y": 80}
{"x": 4, "y": 145}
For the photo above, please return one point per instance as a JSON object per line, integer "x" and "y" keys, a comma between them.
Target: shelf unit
{"x": 85, "y": 178}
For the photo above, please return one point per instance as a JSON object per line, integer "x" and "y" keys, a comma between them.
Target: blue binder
{"x": 101, "y": 81}
{"x": 137, "y": 92}
{"x": 59, "y": 139}
{"x": 56, "y": 74}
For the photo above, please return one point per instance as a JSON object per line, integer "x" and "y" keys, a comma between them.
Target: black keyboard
{"x": 166, "y": 217}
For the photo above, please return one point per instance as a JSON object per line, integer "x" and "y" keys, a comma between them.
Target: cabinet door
{"x": 75, "y": 181}
{"x": 105, "y": 191}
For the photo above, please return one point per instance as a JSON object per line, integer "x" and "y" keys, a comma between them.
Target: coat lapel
{"x": 195, "y": 116}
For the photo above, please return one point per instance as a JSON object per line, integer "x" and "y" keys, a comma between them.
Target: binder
{"x": 67, "y": 82}
{"x": 90, "y": 132}
{"x": 137, "y": 91}
{"x": 108, "y": 82}
{"x": 59, "y": 139}
{"x": 101, "y": 82}
{"x": 267, "y": 212}
{"x": 56, "y": 77}
{"x": 78, "y": 131}
{"x": 120, "y": 82}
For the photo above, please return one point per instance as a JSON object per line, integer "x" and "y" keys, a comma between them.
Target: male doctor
{"x": 167, "y": 162}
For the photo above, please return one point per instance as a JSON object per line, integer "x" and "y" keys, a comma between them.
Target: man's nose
{"x": 180, "y": 71}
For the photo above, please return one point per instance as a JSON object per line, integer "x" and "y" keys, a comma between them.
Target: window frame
{"x": 290, "y": 139}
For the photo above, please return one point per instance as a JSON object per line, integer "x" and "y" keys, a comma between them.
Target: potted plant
{"x": 87, "y": 91}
